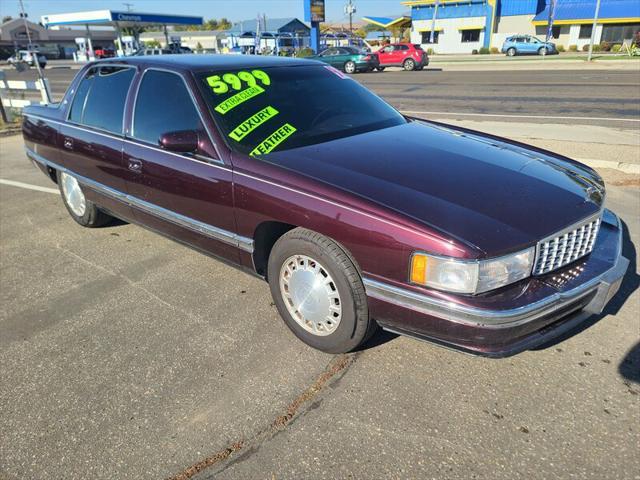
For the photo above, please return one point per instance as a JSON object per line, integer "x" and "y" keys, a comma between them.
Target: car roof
{"x": 196, "y": 62}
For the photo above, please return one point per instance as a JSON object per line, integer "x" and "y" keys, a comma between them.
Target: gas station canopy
{"x": 114, "y": 18}
{"x": 117, "y": 20}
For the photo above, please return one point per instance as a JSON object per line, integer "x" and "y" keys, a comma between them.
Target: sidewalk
{"x": 597, "y": 146}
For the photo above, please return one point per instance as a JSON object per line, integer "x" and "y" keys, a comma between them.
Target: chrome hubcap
{"x": 311, "y": 295}
{"x": 73, "y": 194}
{"x": 350, "y": 68}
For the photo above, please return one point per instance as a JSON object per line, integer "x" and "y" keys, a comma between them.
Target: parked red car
{"x": 406, "y": 55}
{"x": 290, "y": 170}
{"x": 101, "y": 52}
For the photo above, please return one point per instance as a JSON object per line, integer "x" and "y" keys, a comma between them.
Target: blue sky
{"x": 232, "y": 9}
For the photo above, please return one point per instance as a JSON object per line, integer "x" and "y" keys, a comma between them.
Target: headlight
{"x": 475, "y": 276}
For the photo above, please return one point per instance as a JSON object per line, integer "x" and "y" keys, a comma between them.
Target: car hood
{"x": 496, "y": 196}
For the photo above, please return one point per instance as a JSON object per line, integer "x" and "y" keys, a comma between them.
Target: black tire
{"x": 511, "y": 52}
{"x": 93, "y": 217}
{"x": 409, "y": 64}
{"x": 421, "y": 67}
{"x": 355, "y": 326}
{"x": 542, "y": 51}
{"x": 380, "y": 69}
{"x": 349, "y": 67}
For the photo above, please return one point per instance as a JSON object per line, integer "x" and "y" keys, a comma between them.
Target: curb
{"x": 630, "y": 168}
{"x": 10, "y": 132}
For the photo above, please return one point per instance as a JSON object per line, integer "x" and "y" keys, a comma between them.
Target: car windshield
{"x": 272, "y": 109}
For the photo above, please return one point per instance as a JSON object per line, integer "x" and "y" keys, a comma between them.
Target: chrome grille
{"x": 566, "y": 247}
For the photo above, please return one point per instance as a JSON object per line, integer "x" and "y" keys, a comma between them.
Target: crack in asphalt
{"x": 338, "y": 365}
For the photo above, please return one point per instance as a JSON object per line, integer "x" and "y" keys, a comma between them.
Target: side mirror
{"x": 182, "y": 141}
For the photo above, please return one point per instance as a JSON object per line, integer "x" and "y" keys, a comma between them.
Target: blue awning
{"x": 574, "y": 11}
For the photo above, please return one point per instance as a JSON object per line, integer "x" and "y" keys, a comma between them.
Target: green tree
{"x": 211, "y": 24}
{"x": 370, "y": 27}
{"x": 361, "y": 32}
{"x": 224, "y": 24}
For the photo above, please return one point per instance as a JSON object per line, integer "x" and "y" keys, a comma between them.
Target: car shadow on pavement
{"x": 629, "y": 368}
{"x": 630, "y": 283}
{"x": 379, "y": 338}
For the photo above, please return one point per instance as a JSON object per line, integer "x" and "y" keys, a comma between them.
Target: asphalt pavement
{"x": 125, "y": 355}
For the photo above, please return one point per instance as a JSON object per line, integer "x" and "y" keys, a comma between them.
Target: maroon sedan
{"x": 356, "y": 215}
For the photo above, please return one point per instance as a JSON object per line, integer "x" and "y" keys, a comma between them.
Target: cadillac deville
{"x": 355, "y": 215}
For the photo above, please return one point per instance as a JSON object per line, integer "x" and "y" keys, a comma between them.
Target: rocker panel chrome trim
{"x": 243, "y": 243}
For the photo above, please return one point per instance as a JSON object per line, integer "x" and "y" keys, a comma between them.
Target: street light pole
{"x": 350, "y": 9}
{"x": 593, "y": 30}
{"x": 34, "y": 55}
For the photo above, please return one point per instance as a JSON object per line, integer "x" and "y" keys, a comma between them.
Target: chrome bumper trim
{"x": 605, "y": 285}
{"x": 243, "y": 243}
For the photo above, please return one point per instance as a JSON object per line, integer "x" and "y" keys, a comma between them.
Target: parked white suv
{"x": 28, "y": 57}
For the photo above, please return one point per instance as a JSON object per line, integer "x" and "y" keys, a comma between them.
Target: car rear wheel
{"x": 318, "y": 292}
{"x": 511, "y": 52}
{"x": 350, "y": 67}
{"x": 409, "y": 64}
{"x": 542, "y": 51}
{"x": 83, "y": 211}
{"x": 380, "y": 69}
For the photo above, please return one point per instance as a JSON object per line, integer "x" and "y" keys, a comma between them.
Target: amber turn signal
{"x": 419, "y": 269}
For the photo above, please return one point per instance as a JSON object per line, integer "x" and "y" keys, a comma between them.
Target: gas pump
{"x": 127, "y": 45}
{"x": 84, "y": 53}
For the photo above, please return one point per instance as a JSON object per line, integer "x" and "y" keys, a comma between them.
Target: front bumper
{"x": 513, "y": 319}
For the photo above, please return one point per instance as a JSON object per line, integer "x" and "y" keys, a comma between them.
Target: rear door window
{"x": 101, "y": 98}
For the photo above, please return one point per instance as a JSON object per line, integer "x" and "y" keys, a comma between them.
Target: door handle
{"x": 68, "y": 143}
{"x": 135, "y": 165}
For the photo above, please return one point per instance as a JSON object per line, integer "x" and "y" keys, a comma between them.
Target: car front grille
{"x": 566, "y": 247}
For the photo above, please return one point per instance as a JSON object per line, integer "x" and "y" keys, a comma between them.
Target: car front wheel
{"x": 83, "y": 211}
{"x": 542, "y": 51}
{"x": 409, "y": 65}
{"x": 511, "y": 52}
{"x": 318, "y": 292}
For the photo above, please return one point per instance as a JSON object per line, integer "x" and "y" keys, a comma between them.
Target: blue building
{"x": 462, "y": 26}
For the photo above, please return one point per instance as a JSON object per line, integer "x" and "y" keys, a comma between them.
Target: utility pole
{"x": 128, "y": 6}
{"x": 593, "y": 30}
{"x": 34, "y": 54}
{"x": 350, "y": 9}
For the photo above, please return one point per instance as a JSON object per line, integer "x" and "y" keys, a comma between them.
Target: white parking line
{"x": 29, "y": 186}
{"x": 541, "y": 117}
